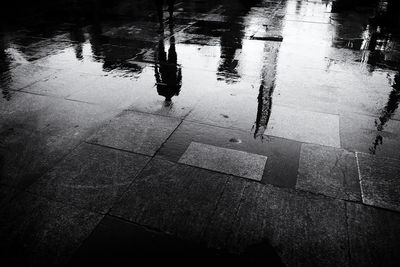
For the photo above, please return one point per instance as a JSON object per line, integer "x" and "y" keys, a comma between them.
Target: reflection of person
{"x": 168, "y": 73}
{"x": 160, "y": 4}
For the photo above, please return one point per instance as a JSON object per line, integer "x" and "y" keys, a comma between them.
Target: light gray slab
{"x": 304, "y": 126}
{"x": 136, "y": 132}
{"x": 380, "y": 181}
{"x": 328, "y": 171}
{"x": 225, "y": 160}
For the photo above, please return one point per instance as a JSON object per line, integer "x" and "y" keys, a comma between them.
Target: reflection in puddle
{"x": 224, "y": 63}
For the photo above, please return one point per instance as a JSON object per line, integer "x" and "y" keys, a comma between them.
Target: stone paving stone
{"x": 21, "y": 110}
{"x": 380, "y": 181}
{"x": 328, "y": 171}
{"x": 360, "y": 133}
{"x": 283, "y": 155}
{"x": 91, "y": 177}
{"x": 24, "y": 75}
{"x": 6, "y": 193}
{"x": 115, "y": 242}
{"x": 38, "y": 232}
{"x": 52, "y": 116}
{"x": 304, "y": 126}
{"x": 62, "y": 83}
{"x": 225, "y": 160}
{"x": 26, "y": 155}
{"x": 173, "y": 198}
{"x": 73, "y": 119}
{"x": 373, "y": 236}
{"x": 136, "y": 132}
{"x": 117, "y": 92}
{"x": 296, "y": 224}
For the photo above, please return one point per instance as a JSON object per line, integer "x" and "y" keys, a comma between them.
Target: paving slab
{"x": 21, "y": 110}
{"x": 367, "y": 134}
{"x": 91, "y": 177}
{"x": 304, "y": 126}
{"x": 296, "y": 224}
{"x": 373, "y": 236}
{"x": 24, "y": 75}
{"x": 62, "y": 84}
{"x": 225, "y": 160}
{"x": 52, "y": 116}
{"x": 283, "y": 155}
{"x": 36, "y": 232}
{"x": 235, "y": 214}
{"x": 329, "y": 171}
{"x": 6, "y": 194}
{"x": 136, "y": 132}
{"x": 26, "y": 155}
{"x": 380, "y": 181}
{"x": 173, "y": 198}
{"x": 116, "y": 242}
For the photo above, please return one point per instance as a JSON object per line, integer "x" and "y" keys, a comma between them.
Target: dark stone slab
{"x": 283, "y": 155}
{"x": 304, "y": 230}
{"x": 38, "y": 232}
{"x": 6, "y": 194}
{"x": 380, "y": 181}
{"x": 26, "y": 155}
{"x": 51, "y": 115}
{"x": 136, "y": 132}
{"x": 329, "y": 171}
{"x": 90, "y": 177}
{"x": 174, "y": 198}
{"x": 234, "y": 214}
{"x": 373, "y": 236}
{"x": 116, "y": 242}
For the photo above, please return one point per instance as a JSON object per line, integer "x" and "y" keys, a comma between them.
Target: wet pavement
{"x": 244, "y": 133}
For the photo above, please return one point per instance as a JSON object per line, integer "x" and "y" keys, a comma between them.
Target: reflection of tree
{"x": 387, "y": 112}
{"x": 168, "y": 73}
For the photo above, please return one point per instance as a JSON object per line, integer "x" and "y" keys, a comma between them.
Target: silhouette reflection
{"x": 168, "y": 73}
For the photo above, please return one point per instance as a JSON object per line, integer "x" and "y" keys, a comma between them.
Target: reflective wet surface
{"x": 299, "y": 83}
{"x": 222, "y": 63}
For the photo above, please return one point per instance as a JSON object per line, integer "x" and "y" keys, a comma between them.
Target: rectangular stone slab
{"x": 380, "y": 181}
{"x": 225, "y": 160}
{"x": 136, "y": 132}
{"x": 304, "y": 126}
{"x": 328, "y": 171}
